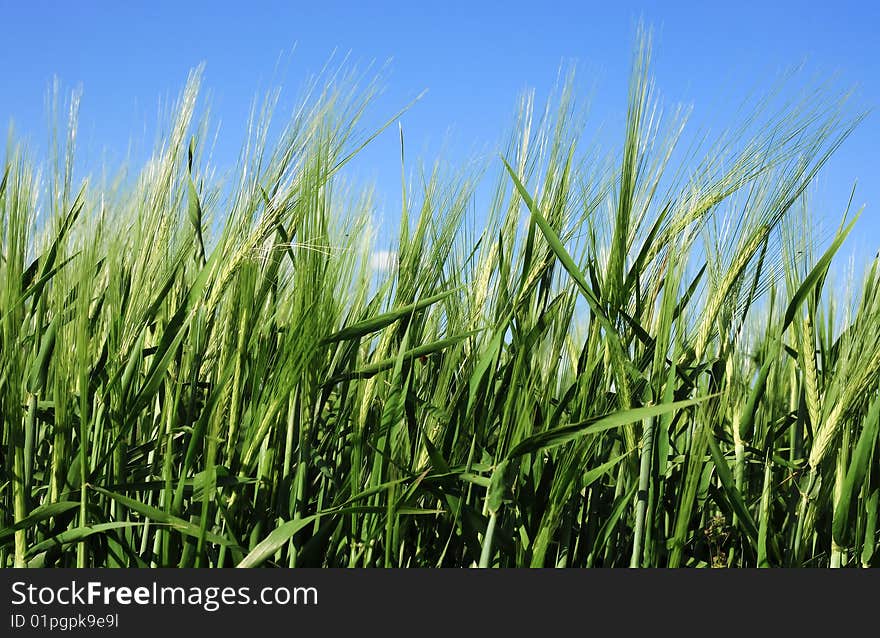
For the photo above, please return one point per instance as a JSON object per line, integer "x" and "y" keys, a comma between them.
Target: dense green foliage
{"x": 635, "y": 361}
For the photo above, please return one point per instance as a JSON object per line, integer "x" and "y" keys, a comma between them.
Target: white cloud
{"x": 383, "y": 260}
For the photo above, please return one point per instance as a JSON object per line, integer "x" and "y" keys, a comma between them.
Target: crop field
{"x": 639, "y": 358}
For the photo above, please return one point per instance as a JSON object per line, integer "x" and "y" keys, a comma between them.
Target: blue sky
{"x": 474, "y": 58}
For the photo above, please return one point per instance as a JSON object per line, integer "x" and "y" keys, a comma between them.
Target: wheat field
{"x": 640, "y": 361}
